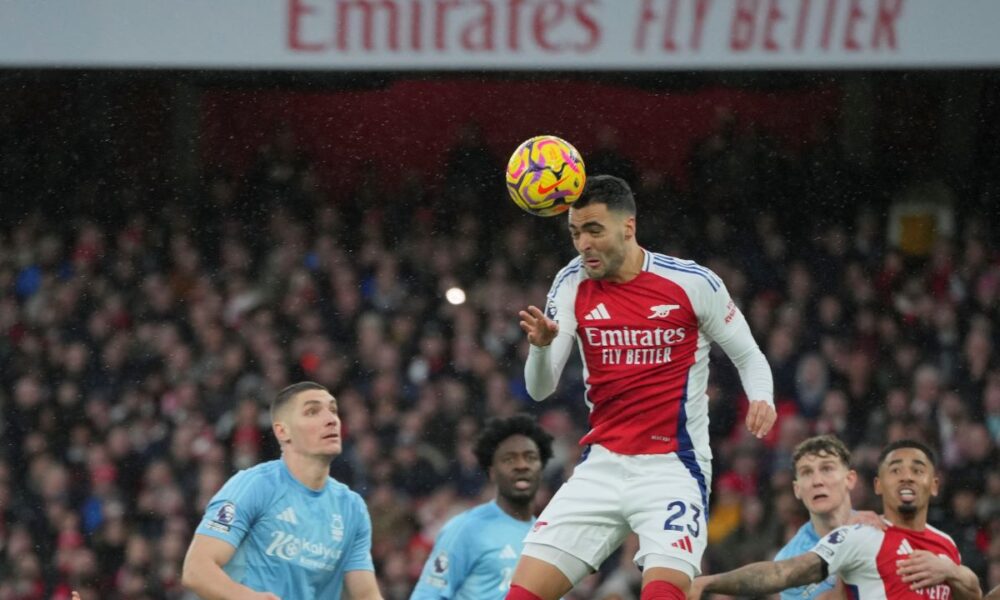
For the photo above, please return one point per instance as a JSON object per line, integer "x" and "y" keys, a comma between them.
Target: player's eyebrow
{"x": 308, "y": 403}
{"x": 586, "y": 225}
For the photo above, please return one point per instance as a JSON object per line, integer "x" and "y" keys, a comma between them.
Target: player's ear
{"x": 281, "y": 432}
{"x": 878, "y": 486}
{"x": 630, "y": 227}
{"x": 935, "y": 482}
{"x": 852, "y": 478}
{"x": 795, "y": 489}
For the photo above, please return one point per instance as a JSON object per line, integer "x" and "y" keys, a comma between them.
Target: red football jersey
{"x": 865, "y": 558}
{"x": 645, "y": 346}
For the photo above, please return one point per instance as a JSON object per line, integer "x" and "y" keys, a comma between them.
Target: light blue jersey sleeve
{"x": 359, "y": 555}
{"x": 449, "y": 563}
{"x": 802, "y": 542}
{"x": 235, "y": 508}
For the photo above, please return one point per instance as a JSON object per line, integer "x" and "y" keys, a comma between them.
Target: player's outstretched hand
{"x": 869, "y": 518}
{"x": 541, "y": 330}
{"x": 75, "y": 595}
{"x": 760, "y": 418}
{"x": 923, "y": 569}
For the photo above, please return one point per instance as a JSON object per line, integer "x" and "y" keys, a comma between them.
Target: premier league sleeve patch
{"x": 441, "y": 564}
{"x": 836, "y": 537}
{"x": 550, "y": 309}
{"x": 224, "y": 517}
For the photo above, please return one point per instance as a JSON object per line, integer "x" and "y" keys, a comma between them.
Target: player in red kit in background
{"x": 910, "y": 560}
{"x": 644, "y": 323}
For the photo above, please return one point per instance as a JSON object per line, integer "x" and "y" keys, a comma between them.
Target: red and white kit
{"x": 865, "y": 558}
{"x": 645, "y": 346}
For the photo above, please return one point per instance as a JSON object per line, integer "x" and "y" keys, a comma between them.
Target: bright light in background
{"x": 455, "y": 295}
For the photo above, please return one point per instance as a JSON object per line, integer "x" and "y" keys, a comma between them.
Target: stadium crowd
{"x": 139, "y": 350}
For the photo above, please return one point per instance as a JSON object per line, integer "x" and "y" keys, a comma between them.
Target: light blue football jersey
{"x": 803, "y": 541}
{"x": 474, "y": 556}
{"x": 290, "y": 540}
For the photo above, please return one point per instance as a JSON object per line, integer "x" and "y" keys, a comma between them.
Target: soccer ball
{"x": 545, "y": 175}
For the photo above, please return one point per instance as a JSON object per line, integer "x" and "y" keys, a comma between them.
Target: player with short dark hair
{"x": 909, "y": 560}
{"x": 644, "y": 323}
{"x": 285, "y": 529}
{"x": 475, "y": 553}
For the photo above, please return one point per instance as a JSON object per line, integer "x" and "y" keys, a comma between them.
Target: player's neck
{"x": 632, "y": 266}
{"x": 825, "y": 523}
{"x": 521, "y": 512}
{"x": 310, "y": 471}
{"x": 915, "y": 522}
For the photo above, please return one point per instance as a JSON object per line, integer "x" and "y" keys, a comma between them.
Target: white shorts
{"x": 661, "y": 497}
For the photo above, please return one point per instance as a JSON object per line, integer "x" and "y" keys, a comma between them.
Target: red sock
{"x": 519, "y": 593}
{"x": 661, "y": 590}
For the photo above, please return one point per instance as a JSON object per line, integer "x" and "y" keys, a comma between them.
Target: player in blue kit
{"x": 475, "y": 554}
{"x": 285, "y": 529}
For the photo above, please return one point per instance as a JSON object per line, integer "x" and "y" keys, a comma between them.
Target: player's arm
{"x": 725, "y": 324}
{"x": 361, "y": 585}
{"x": 448, "y": 565}
{"x": 551, "y": 334}
{"x": 202, "y": 572}
{"x": 923, "y": 569}
{"x": 761, "y": 578}
{"x": 545, "y": 364}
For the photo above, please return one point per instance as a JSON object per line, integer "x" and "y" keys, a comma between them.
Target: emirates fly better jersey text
{"x": 645, "y": 346}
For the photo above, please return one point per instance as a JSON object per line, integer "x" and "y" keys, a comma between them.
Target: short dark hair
{"x": 822, "y": 445}
{"x": 907, "y": 444}
{"x": 497, "y": 430}
{"x": 282, "y": 398}
{"x": 610, "y": 190}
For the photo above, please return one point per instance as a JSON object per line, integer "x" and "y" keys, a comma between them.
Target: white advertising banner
{"x": 500, "y": 34}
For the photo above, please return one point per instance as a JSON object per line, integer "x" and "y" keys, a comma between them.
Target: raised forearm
{"x": 768, "y": 577}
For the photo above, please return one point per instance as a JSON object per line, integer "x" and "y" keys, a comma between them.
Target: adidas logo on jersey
{"x": 904, "y": 548}
{"x": 508, "y": 552}
{"x": 599, "y": 313}
{"x": 684, "y": 544}
{"x": 288, "y": 516}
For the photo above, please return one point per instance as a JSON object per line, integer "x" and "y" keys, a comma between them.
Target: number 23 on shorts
{"x": 676, "y": 512}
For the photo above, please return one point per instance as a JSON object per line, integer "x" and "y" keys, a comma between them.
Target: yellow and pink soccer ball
{"x": 545, "y": 175}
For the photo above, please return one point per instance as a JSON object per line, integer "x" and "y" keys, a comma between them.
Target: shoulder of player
{"x": 572, "y": 274}
{"x": 935, "y": 532}
{"x": 342, "y": 491}
{"x": 686, "y": 273}
{"x": 804, "y": 539}
{"x": 853, "y": 534}
{"x": 260, "y": 483}
{"x": 260, "y": 475}
{"x": 470, "y": 519}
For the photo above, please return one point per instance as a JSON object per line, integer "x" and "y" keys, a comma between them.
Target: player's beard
{"x": 907, "y": 509}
